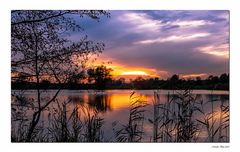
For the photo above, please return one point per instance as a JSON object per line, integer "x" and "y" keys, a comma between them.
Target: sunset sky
{"x": 162, "y": 43}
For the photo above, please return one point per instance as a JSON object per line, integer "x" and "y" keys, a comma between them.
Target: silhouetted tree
{"x": 198, "y": 81}
{"x": 40, "y": 48}
{"x": 215, "y": 80}
{"x": 174, "y": 78}
{"x": 224, "y": 78}
{"x": 100, "y": 75}
{"x": 122, "y": 80}
{"x": 174, "y": 81}
{"x": 75, "y": 80}
{"x": 45, "y": 84}
{"x": 139, "y": 83}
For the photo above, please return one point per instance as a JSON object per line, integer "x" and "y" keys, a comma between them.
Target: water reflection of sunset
{"x": 114, "y": 105}
{"x": 119, "y": 101}
{"x": 123, "y": 100}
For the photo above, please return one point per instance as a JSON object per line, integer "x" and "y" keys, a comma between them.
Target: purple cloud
{"x": 172, "y": 41}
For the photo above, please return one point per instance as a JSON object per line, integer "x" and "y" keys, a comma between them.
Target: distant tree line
{"x": 100, "y": 78}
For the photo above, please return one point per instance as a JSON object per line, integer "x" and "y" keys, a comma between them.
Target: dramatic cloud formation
{"x": 175, "y": 38}
{"x": 163, "y": 42}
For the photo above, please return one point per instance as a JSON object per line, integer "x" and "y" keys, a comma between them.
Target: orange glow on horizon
{"x": 194, "y": 75}
{"x": 121, "y": 70}
{"x": 134, "y": 73}
{"x": 125, "y": 71}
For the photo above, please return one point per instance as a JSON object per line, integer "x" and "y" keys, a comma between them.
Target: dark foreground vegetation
{"x": 173, "y": 120}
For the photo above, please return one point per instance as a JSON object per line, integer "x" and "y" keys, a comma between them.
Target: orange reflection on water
{"x": 123, "y": 100}
{"x": 119, "y": 101}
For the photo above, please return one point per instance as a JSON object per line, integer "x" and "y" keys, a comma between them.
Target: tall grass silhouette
{"x": 133, "y": 131}
{"x": 179, "y": 117}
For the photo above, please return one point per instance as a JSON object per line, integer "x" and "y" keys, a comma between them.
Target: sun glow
{"x": 121, "y": 70}
{"x": 134, "y": 73}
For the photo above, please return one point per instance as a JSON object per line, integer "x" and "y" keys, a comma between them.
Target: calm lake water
{"x": 114, "y": 105}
